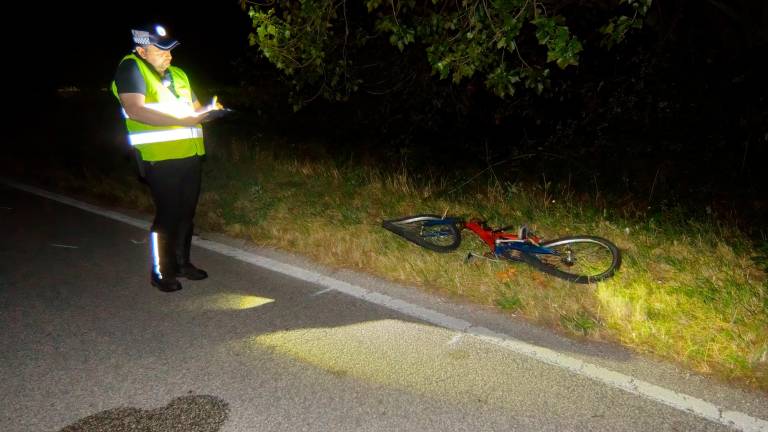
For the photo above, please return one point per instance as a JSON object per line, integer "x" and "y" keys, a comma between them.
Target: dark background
{"x": 675, "y": 118}
{"x": 86, "y": 41}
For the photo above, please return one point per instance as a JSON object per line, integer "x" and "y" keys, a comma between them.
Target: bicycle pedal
{"x": 487, "y": 255}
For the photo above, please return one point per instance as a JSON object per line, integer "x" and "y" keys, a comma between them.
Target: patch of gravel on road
{"x": 200, "y": 413}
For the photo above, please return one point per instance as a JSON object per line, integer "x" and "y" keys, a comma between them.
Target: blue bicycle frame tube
{"x": 446, "y": 221}
{"x": 523, "y": 247}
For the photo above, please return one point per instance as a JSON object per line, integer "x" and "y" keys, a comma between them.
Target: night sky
{"x": 212, "y": 35}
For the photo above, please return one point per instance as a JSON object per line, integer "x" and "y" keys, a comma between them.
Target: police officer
{"x": 163, "y": 118}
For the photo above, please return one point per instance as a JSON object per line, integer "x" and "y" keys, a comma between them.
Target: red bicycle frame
{"x": 493, "y": 237}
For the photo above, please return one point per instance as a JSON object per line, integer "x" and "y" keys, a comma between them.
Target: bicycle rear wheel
{"x": 579, "y": 259}
{"x": 427, "y": 230}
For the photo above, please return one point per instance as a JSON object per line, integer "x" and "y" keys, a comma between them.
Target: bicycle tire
{"x": 442, "y": 237}
{"x": 561, "y": 264}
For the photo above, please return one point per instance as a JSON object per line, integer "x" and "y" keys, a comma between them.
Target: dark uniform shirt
{"x": 128, "y": 79}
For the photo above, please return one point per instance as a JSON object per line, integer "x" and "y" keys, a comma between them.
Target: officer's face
{"x": 155, "y": 56}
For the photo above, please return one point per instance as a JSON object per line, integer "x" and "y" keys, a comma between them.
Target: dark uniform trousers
{"x": 175, "y": 187}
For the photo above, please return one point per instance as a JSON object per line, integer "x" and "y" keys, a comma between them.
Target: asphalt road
{"x": 88, "y": 345}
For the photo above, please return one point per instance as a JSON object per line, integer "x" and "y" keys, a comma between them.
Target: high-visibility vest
{"x": 156, "y": 143}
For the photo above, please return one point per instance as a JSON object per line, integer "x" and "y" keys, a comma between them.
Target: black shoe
{"x": 189, "y": 271}
{"x": 168, "y": 284}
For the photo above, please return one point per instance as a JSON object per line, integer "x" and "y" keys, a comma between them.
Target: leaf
{"x": 459, "y": 42}
{"x": 372, "y": 4}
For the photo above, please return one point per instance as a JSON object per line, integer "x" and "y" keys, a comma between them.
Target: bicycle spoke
{"x": 581, "y": 259}
{"x": 429, "y": 231}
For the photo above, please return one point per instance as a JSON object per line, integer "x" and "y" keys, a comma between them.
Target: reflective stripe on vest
{"x": 166, "y": 135}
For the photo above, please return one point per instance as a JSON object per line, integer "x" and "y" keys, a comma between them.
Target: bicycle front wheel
{"x": 427, "y": 230}
{"x": 579, "y": 259}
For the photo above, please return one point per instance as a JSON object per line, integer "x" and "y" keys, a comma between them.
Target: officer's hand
{"x": 192, "y": 120}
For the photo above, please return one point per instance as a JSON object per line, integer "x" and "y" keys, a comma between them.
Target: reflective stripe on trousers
{"x": 156, "y": 256}
{"x": 165, "y": 135}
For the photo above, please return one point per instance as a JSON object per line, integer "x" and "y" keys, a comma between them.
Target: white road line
{"x": 63, "y": 246}
{"x": 680, "y": 401}
{"x": 321, "y": 292}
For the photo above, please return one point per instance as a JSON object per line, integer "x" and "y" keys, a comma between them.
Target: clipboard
{"x": 216, "y": 114}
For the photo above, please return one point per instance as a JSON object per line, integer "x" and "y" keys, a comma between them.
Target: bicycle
{"x": 580, "y": 259}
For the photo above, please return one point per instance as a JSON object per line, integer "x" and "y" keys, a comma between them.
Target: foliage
{"x": 329, "y": 48}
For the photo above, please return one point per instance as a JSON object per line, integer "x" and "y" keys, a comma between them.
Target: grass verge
{"x": 688, "y": 291}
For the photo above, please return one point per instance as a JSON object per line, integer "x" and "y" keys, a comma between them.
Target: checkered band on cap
{"x": 141, "y": 37}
